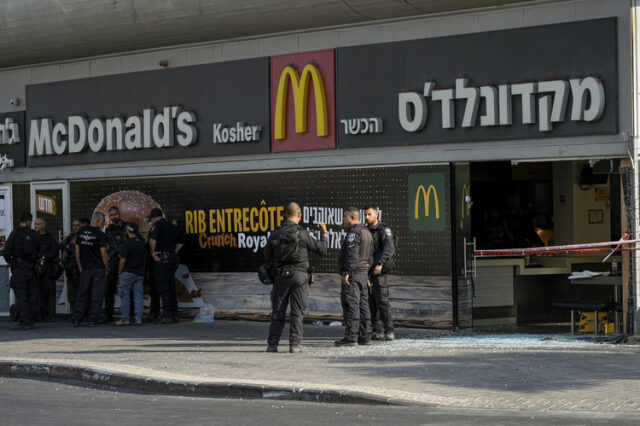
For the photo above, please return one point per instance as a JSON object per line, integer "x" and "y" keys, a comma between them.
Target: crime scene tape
{"x": 565, "y": 249}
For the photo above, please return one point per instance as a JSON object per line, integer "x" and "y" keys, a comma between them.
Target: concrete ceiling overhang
{"x": 35, "y": 31}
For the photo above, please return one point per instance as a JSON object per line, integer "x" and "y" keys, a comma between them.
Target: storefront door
{"x": 463, "y": 246}
{"x": 50, "y": 201}
{"x": 6, "y": 225}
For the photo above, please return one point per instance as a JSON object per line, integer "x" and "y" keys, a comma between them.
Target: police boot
{"x": 378, "y": 337}
{"x": 389, "y": 336}
{"x": 294, "y": 349}
{"x": 345, "y": 342}
{"x": 272, "y": 348}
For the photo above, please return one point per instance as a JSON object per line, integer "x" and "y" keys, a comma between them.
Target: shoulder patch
{"x": 388, "y": 232}
{"x": 351, "y": 237}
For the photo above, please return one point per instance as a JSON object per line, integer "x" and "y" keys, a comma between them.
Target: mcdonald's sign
{"x": 427, "y": 202}
{"x": 303, "y": 101}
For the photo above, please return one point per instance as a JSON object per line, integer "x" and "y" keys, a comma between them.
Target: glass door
{"x": 6, "y": 226}
{"x": 50, "y": 201}
{"x": 464, "y": 265}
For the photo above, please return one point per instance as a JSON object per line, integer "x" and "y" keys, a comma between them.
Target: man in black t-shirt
{"x": 164, "y": 245}
{"x": 93, "y": 264}
{"x": 131, "y": 269}
{"x": 46, "y": 284}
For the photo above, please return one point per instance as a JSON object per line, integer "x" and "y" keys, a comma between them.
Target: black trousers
{"x": 355, "y": 308}
{"x": 294, "y": 292}
{"x": 93, "y": 283}
{"x": 112, "y": 286}
{"x": 47, "y": 294}
{"x": 73, "y": 281}
{"x": 163, "y": 274}
{"x": 25, "y": 287}
{"x": 381, "y": 317}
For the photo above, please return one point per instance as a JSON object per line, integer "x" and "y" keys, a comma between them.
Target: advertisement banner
{"x": 226, "y": 219}
{"x": 185, "y": 112}
{"x": 535, "y": 82}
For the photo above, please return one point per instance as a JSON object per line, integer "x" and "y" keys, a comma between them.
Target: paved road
{"x": 24, "y": 401}
{"x": 599, "y": 378}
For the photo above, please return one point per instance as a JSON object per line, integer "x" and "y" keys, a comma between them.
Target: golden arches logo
{"x": 426, "y": 196}
{"x": 466, "y": 192}
{"x": 300, "y": 86}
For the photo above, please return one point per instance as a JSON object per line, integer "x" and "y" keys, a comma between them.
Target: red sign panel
{"x": 303, "y": 101}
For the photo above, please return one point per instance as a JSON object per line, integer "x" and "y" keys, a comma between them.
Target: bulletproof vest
{"x": 377, "y": 247}
{"x": 287, "y": 249}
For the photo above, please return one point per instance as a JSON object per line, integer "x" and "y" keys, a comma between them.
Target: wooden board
{"x": 419, "y": 301}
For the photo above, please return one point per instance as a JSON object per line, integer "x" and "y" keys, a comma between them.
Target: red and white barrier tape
{"x": 566, "y": 249}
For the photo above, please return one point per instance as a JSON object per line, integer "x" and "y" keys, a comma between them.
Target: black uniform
{"x": 115, "y": 239}
{"x": 291, "y": 284}
{"x": 46, "y": 284}
{"x": 166, "y": 236}
{"x": 383, "y": 250}
{"x": 21, "y": 253}
{"x": 93, "y": 279}
{"x": 68, "y": 246}
{"x": 354, "y": 259}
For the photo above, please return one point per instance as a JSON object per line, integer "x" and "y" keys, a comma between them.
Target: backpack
{"x": 377, "y": 243}
{"x": 286, "y": 247}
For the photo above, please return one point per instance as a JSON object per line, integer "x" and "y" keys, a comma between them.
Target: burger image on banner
{"x": 134, "y": 207}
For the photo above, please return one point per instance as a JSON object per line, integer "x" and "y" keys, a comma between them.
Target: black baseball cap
{"x": 132, "y": 227}
{"x": 155, "y": 212}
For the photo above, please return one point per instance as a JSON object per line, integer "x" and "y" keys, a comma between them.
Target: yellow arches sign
{"x": 426, "y": 195}
{"x": 300, "y": 87}
{"x": 427, "y": 202}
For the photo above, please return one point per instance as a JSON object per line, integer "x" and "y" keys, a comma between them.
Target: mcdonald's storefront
{"x": 450, "y": 147}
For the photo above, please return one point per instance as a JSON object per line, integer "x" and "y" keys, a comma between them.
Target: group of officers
{"x": 97, "y": 263}
{"x": 366, "y": 255}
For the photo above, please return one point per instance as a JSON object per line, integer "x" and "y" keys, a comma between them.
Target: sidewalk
{"x": 420, "y": 367}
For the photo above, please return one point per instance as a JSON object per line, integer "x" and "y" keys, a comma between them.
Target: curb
{"x": 92, "y": 376}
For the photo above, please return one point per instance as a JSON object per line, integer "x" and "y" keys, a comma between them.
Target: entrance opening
{"x": 536, "y": 204}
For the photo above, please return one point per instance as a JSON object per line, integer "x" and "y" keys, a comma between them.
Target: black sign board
{"x": 12, "y": 139}
{"x": 225, "y": 108}
{"x": 534, "y": 64}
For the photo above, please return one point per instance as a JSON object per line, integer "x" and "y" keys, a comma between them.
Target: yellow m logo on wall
{"x": 300, "y": 86}
{"x": 426, "y": 196}
{"x": 427, "y": 202}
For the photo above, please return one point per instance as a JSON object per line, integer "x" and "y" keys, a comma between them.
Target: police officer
{"x": 383, "y": 250}
{"x": 21, "y": 253}
{"x": 289, "y": 248}
{"x": 354, "y": 260}
{"x": 46, "y": 284}
{"x": 93, "y": 263}
{"x": 164, "y": 246}
{"x": 68, "y": 249}
{"x": 115, "y": 233}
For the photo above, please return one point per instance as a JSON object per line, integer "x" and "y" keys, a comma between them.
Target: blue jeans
{"x": 127, "y": 282}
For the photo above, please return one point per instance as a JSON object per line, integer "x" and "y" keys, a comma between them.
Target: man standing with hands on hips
{"x": 164, "y": 246}
{"x": 354, "y": 260}
{"x": 289, "y": 248}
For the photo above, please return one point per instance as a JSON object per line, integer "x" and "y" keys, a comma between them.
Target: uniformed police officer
{"x": 68, "y": 250}
{"x": 289, "y": 248}
{"x": 164, "y": 246}
{"x": 354, "y": 260}
{"x": 383, "y": 250}
{"x": 115, "y": 233}
{"x": 93, "y": 263}
{"x": 21, "y": 253}
{"x": 46, "y": 284}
